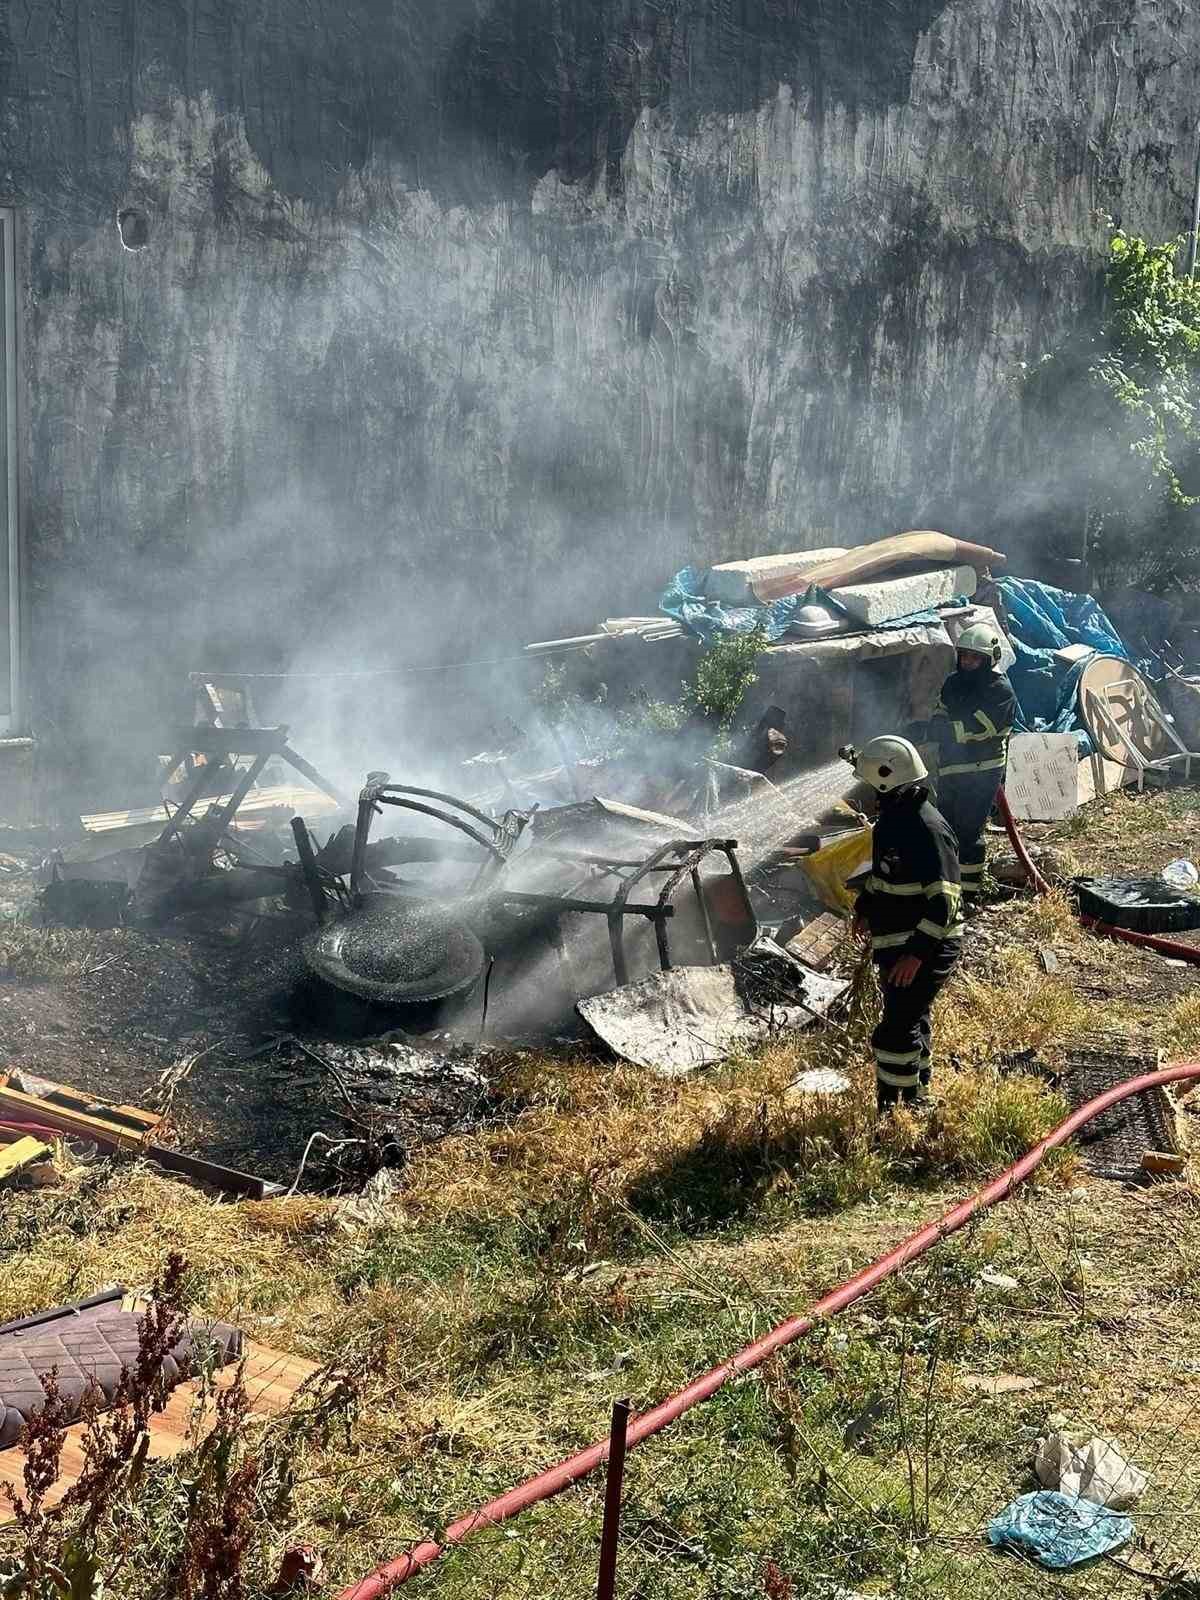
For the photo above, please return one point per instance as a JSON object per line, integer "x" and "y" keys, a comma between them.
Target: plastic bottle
{"x": 1181, "y": 875}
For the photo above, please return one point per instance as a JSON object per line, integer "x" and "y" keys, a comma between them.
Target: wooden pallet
{"x": 272, "y": 1379}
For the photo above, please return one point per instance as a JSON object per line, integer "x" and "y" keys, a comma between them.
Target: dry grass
{"x": 624, "y": 1232}
{"x": 32, "y": 954}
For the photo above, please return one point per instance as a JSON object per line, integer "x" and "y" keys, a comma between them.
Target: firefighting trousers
{"x": 903, "y": 1041}
{"x": 966, "y": 799}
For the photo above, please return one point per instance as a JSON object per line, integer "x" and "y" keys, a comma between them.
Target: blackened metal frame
{"x": 675, "y": 860}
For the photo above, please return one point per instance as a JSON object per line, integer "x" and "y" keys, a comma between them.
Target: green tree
{"x": 1118, "y": 409}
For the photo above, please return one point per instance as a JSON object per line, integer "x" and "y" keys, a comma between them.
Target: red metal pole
{"x": 606, "y": 1588}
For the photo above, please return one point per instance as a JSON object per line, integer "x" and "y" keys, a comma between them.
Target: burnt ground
{"x": 264, "y": 1058}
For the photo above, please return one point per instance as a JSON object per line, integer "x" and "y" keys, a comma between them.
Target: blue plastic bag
{"x": 1059, "y": 1530}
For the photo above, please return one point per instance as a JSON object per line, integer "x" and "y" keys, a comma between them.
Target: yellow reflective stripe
{"x": 898, "y": 1058}
{"x": 942, "y": 886}
{"x": 895, "y": 1080}
{"x": 890, "y": 941}
{"x": 951, "y": 930}
{"x": 972, "y": 869}
{"x": 882, "y": 886}
{"x": 972, "y": 766}
{"x": 989, "y": 726}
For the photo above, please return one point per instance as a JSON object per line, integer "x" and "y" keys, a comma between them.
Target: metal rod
{"x": 662, "y": 939}
{"x": 560, "y": 902}
{"x": 358, "y": 862}
{"x": 606, "y": 1587}
{"x": 184, "y": 809}
{"x": 308, "y": 866}
{"x": 616, "y": 940}
{"x": 389, "y": 793}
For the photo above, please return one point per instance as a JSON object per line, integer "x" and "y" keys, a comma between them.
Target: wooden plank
{"x": 819, "y": 941}
{"x": 66, "y": 1098}
{"x": 264, "y": 802}
{"x": 16, "y": 1157}
{"x": 271, "y": 1378}
{"x": 50, "y": 1115}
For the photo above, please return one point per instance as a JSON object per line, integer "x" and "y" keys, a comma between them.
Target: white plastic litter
{"x": 998, "y": 1280}
{"x": 821, "y": 1080}
{"x": 1093, "y": 1469}
{"x": 1181, "y": 875}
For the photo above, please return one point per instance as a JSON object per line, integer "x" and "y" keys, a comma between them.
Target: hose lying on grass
{"x": 1148, "y": 941}
{"x": 393, "y": 1573}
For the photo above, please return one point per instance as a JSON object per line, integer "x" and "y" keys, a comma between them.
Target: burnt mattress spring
{"x": 88, "y": 1347}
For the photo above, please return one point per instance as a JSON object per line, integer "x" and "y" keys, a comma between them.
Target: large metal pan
{"x": 397, "y": 950}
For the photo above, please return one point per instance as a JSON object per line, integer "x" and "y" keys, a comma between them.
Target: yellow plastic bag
{"x": 829, "y": 867}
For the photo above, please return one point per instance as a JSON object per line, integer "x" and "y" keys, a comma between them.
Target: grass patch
{"x": 622, "y": 1233}
{"x": 31, "y": 954}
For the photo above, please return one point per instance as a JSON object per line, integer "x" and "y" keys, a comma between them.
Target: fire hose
{"x": 554, "y": 1480}
{"x": 393, "y": 1573}
{"x": 1148, "y": 941}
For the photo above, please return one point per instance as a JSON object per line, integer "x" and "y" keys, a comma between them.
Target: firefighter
{"x": 910, "y": 905}
{"x": 971, "y": 726}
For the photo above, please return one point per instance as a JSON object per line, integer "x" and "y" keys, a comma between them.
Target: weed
{"x": 723, "y": 674}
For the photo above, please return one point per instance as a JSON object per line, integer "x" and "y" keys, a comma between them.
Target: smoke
{"x": 411, "y": 416}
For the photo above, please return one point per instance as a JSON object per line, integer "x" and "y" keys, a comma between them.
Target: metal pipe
{"x": 393, "y": 1573}
{"x": 606, "y": 1585}
{"x": 560, "y": 902}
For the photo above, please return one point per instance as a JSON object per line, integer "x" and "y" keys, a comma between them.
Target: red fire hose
{"x": 393, "y": 1573}
{"x": 1148, "y": 941}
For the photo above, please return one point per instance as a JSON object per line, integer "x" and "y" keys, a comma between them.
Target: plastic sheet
{"x": 1059, "y": 1530}
{"x": 1041, "y": 620}
{"x": 830, "y": 867}
{"x": 686, "y": 601}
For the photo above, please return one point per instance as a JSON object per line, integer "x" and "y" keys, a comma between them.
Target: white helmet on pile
{"x": 983, "y": 640}
{"x": 889, "y": 763}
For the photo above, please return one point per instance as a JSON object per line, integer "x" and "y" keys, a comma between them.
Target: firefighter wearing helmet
{"x": 910, "y": 906}
{"x": 971, "y": 726}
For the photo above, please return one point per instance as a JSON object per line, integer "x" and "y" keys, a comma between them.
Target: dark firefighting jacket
{"x": 912, "y": 899}
{"x": 972, "y": 723}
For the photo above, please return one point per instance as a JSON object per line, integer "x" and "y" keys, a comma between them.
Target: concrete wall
{"x": 475, "y": 320}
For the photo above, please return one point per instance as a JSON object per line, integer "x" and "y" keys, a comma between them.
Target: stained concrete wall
{"x": 475, "y": 320}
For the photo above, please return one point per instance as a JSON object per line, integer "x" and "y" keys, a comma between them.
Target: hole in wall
{"x": 134, "y": 227}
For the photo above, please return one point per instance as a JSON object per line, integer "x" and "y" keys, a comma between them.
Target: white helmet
{"x": 889, "y": 763}
{"x": 982, "y": 640}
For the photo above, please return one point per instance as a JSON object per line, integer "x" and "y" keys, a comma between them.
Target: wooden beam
{"x": 77, "y": 1123}
{"x": 15, "y": 1158}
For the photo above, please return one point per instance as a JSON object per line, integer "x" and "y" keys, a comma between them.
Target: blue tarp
{"x": 1041, "y": 620}
{"x": 684, "y": 600}
{"x": 1059, "y": 1530}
